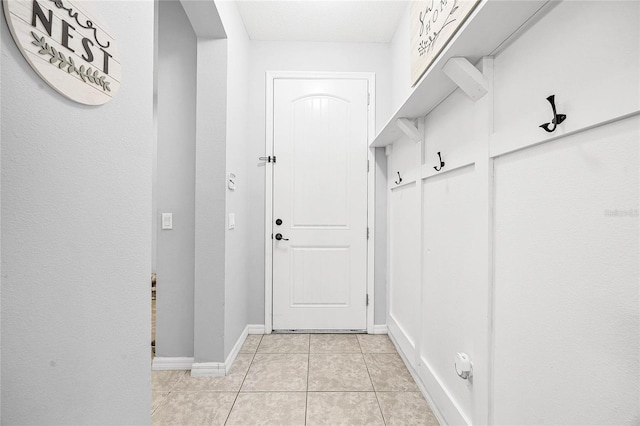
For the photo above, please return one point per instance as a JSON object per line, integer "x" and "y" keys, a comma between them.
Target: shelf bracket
{"x": 409, "y": 129}
{"x": 467, "y": 77}
{"x": 388, "y": 149}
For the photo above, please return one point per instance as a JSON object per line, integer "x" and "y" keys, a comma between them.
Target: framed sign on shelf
{"x": 433, "y": 24}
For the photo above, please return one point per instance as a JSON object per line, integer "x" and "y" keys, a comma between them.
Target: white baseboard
{"x": 236, "y": 349}
{"x": 255, "y": 328}
{"x": 222, "y": 369}
{"x": 172, "y": 363}
{"x": 402, "y": 339}
{"x": 380, "y": 329}
{"x": 201, "y": 369}
{"x": 208, "y": 369}
{"x": 448, "y": 407}
{"x": 446, "y": 410}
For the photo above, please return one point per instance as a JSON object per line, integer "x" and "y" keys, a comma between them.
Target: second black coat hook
{"x": 441, "y": 163}
{"x": 399, "y": 179}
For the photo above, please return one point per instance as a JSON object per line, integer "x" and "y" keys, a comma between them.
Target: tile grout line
{"x": 375, "y": 392}
{"x": 243, "y": 379}
{"x": 339, "y": 350}
{"x": 306, "y": 395}
{"x": 169, "y": 392}
{"x": 161, "y": 401}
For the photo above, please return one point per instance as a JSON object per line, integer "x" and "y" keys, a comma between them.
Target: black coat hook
{"x": 399, "y": 179}
{"x": 441, "y": 163}
{"x": 557, "y": 118}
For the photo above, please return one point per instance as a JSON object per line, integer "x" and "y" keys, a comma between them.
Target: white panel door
{"x": 320, "y": 197}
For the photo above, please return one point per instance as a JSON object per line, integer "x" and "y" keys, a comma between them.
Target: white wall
{"x": 404, "y": 242}
{"x": 290, "y": 56}
{"x": 400, "y": 63}
{"x": 237, "y": 254}
{"x": 551, "y": 323}
{"x": 76, "y": 203}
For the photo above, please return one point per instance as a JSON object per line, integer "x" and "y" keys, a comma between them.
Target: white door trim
{"x": 268, "y": 247}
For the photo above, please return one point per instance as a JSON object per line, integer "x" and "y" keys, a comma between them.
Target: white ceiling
{"x": 360, "y": 21}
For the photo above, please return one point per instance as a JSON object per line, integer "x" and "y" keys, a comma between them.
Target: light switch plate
{"x": 232, "y": 221}
{"x": 167, "y": 221}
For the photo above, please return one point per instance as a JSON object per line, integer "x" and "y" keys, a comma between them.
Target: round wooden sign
{"x": 67, "y": 46}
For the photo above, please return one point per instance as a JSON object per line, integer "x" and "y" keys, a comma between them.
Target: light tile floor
{"x": 297, "y": 379}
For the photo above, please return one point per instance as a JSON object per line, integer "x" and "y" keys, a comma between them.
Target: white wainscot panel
{"x": 403, "y": 159}
{"x": 449, "y": 129}
{"x": 404, "y": 289}
{"x": 586, "y": 53}
{"x": 448, "y": 308}
{"x": 566, "y": 280}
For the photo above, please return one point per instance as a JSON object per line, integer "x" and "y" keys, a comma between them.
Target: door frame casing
{"x": 270, "y": 78}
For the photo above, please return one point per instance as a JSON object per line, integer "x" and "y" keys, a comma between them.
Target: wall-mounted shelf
{"x": 488, "y": 30}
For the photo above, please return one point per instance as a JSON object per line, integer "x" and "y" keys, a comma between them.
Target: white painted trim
{"x": 171, "y": 363}
{"x": 219, "y": 369}
{"x": 408, "y": 128}
{"x": 268, "y": 205}
{"x": 270, "y": 76}
{"x": 380, "y": 329}
{"x": 208, "y": 369}
{"x": 419, "y": 206}
{"x": 408, "y": 177}
{"x": 480, "y": 411}
{"x": 235, "y": 351}
{"x": 308, "y": 75}
{"x": 416, "y": 378}
{"x": 432, "y": 390}
{"x": 467, "y": 77}
{"x": 501, "y": 144}
{"x": 407, "y": 346}
{"x": 429, "y": 172}
{"x": 371, "y": 198}
{"x": 255, "y": 329}
{"x": 405, "y": 182}
{"x": 448, "y": 408}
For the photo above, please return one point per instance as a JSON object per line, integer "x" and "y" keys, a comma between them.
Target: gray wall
{"x": 380, "y": 261}
{"x": 175, "y": 192}
{"x": 76, "y": 198}
{"x": 237, "y": 260}
{"x": 210, "y": 308}
{"x": 192, "y": 136}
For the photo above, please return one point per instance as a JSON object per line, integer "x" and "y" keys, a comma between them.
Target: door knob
{"x": 279, "y": 237}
